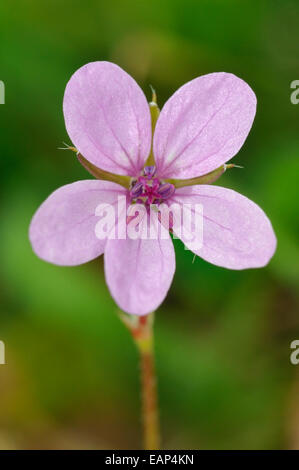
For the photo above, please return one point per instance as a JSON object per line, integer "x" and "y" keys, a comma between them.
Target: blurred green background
{"x": 222, "y": 337}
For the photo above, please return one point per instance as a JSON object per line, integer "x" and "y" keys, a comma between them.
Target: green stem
{"x": 141, "y": 329}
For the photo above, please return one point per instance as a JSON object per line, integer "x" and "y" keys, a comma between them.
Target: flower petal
{"x": 237, "y": 234}
{"x": 203, "y": 125}
{"x": 62, "y": 230}
{"x": 107, "y": 118}
{"x": 139, "y": 272}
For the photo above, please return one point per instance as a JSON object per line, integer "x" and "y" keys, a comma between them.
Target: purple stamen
{"x": 166, "y": 190}
{"x": 136, "y": 190}
{"x": 149, "y": 171}
{"x": 148, "y": 189}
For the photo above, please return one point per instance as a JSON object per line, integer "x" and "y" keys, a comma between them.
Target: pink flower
{"x": 201, "y": 127}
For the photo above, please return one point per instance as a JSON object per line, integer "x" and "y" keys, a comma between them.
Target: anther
{"x": 166, "y": 190}
{"x": 136, "y": 190}
{"x": 149, "y": 171}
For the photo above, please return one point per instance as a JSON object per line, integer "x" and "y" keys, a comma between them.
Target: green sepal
{"x": 104, "y": 175}
{"x": 204, "y": 179}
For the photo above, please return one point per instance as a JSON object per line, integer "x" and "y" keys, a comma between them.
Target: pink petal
{"x": 139, "y": 273}
{"x": 237, "y": 234}
{"x": 203, "y": 125}
{"x": 107, "y": 118}
{"x": 62, "y": 230}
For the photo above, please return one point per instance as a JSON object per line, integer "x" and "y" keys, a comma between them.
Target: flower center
{"x": 147, "y": 189}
